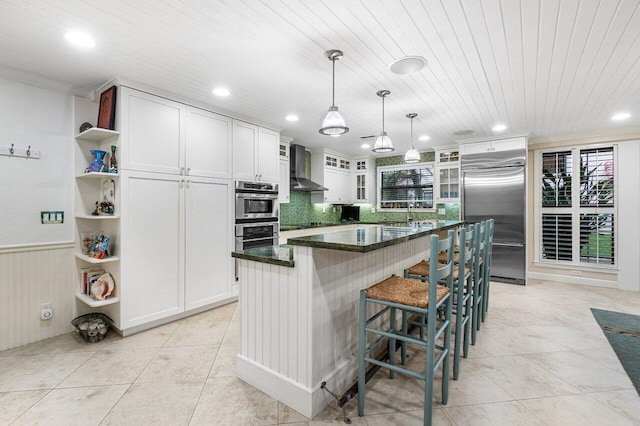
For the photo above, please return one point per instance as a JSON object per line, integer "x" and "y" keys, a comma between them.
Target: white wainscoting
{"x": 31, "y": 275}
{"x": 299, "y": 326}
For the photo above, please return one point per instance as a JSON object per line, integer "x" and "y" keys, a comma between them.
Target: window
{"x": 402, "y": 187}
{"x": 361, "y": 187}
{"x": 576, "y": 210}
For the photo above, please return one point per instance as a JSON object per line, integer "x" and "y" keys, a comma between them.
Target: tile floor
{"x": 540, "y": 359}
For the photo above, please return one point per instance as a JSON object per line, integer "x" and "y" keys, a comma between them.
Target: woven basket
{"x": 92, "y": 327}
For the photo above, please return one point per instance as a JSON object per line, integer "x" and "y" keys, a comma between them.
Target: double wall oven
{"x": 256, "y": 214}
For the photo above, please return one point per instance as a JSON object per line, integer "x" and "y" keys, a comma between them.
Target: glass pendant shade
{"x": 412, "y": 156}
{"x": 383, "y": 143}
{"x": 333, "y": 122}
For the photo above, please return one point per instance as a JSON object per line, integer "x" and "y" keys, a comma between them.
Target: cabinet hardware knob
{"x": 181, "y": 171}
{"x": 188, "y": 170}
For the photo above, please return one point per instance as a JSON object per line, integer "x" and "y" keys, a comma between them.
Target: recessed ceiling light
{"x": 423, "y": 138}
{"x": 621, "y": 116}
{"x": 365, "y": 146}
{"x": 221, "y": 91}
{"x": 499, "y": 127}
{"x": 335, "y": 136}
{"x": 292, "y": 117}
{"x": 408, "y": 64}
{"x": 80, "y": 39}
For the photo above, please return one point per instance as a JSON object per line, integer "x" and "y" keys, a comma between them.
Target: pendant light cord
{"x": 412, "y": 147}
{"x": 333, "y": 83}
{"x": 383, "y": 114}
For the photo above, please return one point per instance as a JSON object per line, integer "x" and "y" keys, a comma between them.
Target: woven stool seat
{"x": 422, "y": 269}
{"x": 405, "y": 291}
{"x": 442, "y": 257}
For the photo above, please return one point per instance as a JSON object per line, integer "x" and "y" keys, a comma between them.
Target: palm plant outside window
{"x": 577, "y": 210}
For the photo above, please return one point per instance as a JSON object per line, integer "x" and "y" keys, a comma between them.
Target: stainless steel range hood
{"x": 297, "y": 169}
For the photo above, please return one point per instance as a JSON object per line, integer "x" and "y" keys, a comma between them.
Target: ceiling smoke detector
{"x": 408, "y": 65}
{"x": 463, "y": 132}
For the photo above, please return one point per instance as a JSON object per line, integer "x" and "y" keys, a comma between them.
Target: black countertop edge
{"x": 301, "y": 241}
{"x": 297, "y": 226}
{"x": 276, "y": 255}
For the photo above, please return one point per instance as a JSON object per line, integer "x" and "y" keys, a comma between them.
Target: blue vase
{"x": 96, "y": 165}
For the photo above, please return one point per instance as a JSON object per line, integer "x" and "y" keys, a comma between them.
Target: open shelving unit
{"x": 88, "y": 190}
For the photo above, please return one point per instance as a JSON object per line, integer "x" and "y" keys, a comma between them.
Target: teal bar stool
{"x": 478, "y": 279}
{"x": 415, "y": 298}
{"x": 462, "y": 291}
{"x": 487, "y": 267}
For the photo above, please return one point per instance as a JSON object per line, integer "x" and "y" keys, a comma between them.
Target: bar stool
{"x": 462, "y": 291}
{"x": 487, "y": 268}
{"x": 418, "y": 298}
{"x": 478, "y": 279}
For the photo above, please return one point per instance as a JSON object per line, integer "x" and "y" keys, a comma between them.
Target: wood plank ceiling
{"x": 549, "y": 67}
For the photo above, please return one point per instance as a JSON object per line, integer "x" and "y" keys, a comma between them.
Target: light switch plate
{"x": 51, "y": 217}
{"x": 441, "y": 211}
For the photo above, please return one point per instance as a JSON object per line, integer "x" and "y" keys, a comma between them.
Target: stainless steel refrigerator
{"x": 493, "y": 186}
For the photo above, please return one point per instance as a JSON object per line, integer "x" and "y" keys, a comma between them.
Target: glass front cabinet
{"x": 447, "y": 175}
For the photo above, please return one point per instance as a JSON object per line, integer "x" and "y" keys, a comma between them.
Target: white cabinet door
{"x": 268, "y": 155}
{"x": 152, "y": 254}
{"x": 151, "y": 133}
{"x": 208, "y": 241}
{"x": 245, "y": 139}
{"x": 475, "y": 148}
{"x": 344, "y": 185}
{"x": 285, "y": 182}
{"x": 331, "y": 181}
{"x": 208, "y": 144}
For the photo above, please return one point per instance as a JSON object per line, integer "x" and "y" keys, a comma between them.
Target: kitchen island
{"x": 299, "y": 306}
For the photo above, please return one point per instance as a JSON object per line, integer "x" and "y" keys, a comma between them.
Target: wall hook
{"x": 29, "y": 151}
{"x": 11, "y": 151}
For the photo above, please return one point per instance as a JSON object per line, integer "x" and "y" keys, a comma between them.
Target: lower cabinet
{"x": 176, "y": 244}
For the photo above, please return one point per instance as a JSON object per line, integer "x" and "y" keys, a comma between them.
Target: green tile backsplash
{"x": 300, "y": 209}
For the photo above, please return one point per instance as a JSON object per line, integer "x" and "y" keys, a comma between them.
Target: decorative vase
{"x": 113, "y": 162}
{"x": 97, "y": 164}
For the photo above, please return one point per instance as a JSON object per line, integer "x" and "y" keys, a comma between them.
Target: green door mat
{"x": 623, "y": 333}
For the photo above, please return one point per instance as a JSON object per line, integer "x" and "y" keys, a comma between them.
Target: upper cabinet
{"x": 447, "y": 175}
{"x": 255, "y": 153}
{"x": 284, "y": 179}
{"x": 333, "y": 172}
{"x": 163, "y": 136}
{"x": 363, "y": 181}
{"x": 493, "y": 146}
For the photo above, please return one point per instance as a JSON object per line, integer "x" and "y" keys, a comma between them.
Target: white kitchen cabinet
{"x": 284, "y": 173}
{"x": 332, "y": 171}
{"x": 447, "y": 175}
{"x": 208, "y": 241}
{"x": 493, "y": 145}
{"x": 255, "y": 153}
{"x": 163, "y": 136}
{"x": 363, "y": 181}
{"x": 177, "y": 236}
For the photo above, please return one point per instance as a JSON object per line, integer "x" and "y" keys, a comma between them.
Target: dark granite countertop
{"x": 276, "y": 255}
{"x": 367, "y": 239}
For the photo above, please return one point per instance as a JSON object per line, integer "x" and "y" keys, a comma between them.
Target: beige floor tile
{"x": 289, "y": 415}
{"x": 110, "y": 368}
{"x": 523, "y": 340}
{"x": 333, "y": 415}
{"x": 578, "y": 410}
{"x": 521, "y": 378}
{"x": 13, "y": 404}
{"x": 410, "y": 418}
{"x": 230, "y": 401}
{"x": 65, "y": 343}
{"x": 199, "y": 330}
{"x": 38, "y": 371}
{"x": 624, "y": 402}
{"x": 571, "y": 366}
{"x": 569, "y": 336}
{"x": 232, "y": 334}
{"x": 77, "y": 406}
{"x": 500, "y": 413}
{"x": 154, "y": 338}
{"x": 224, "y": 364}
{"x": 385, "y": 395}
{"x": 190, "y": 363}
{"x": 171, "y": 403}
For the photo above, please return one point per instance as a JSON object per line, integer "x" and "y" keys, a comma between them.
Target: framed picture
{"x": 107, "y": 112}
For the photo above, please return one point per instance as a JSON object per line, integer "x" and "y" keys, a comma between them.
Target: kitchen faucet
{"x": 409, "y": 219}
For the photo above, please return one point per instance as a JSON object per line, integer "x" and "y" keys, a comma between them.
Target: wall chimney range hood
{"x": 297, "y": 171}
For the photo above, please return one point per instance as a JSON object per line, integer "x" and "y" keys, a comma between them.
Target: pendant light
{"x": 412, "y": 156}
{"x": 333, "y": 123}
{"x": 383, "y": 142}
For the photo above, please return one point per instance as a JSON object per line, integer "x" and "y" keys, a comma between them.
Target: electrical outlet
{"x": 373, "y": 209}
{"x": 334, "y": 209}
{"x": 46, "y": 311}
{"x": 442, "y": 211}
